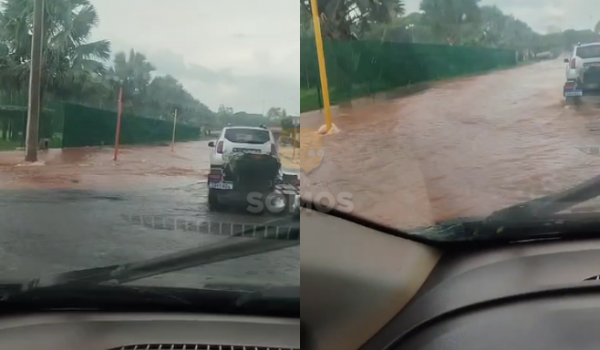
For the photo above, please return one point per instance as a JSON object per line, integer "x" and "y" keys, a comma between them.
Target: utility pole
{"x": 174, "y": 128}
{"x": 35, "y": 77}
{"x": 119, "y": 117}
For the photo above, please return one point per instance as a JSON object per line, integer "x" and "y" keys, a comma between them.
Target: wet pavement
{"x": 463, "y": 147}
{"x": 81, "y": 210}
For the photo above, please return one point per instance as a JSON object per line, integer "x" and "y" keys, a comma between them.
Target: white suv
{"x": 583, "y": 71}
{"x": 241, "y": 139}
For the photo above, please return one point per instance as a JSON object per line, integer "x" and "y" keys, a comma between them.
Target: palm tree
{"x": 134, "y": 70}
{"x": 347, "y": 19}
{"x": 69, "y": 60}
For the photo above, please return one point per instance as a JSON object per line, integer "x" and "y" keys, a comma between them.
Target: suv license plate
{"x": 573, "y": 93}
{"x": 247, "y": 150}
{"x": 221, "y": 185}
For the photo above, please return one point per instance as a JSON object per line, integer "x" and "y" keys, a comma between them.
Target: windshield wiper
{"x": 536, "y": 218}
{"x": 234, "y": 247}
{"x": 474, "y": 229}
{"x": 548, "y": 205}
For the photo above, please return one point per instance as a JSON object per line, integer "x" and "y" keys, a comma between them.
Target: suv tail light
{"x": 573, "y": 63}
{"x": 220, "y": 147}
{"x": 569, "y": 85}
{"x": 273, "y": 149}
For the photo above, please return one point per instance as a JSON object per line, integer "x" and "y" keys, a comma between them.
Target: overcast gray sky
{"x": 237, "y": 53}
{"x": 540, "y": 14}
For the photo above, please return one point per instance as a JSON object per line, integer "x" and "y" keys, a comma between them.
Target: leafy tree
{"x": 276, "y": 113}
{"x": 306, "y": 24}
{"x": 410, "y": 28}
{"x": 133, "y": 73}
{"x": 448, "y": 19}
{"x": 348, "y": 19}
{"x": 224, "y": 111}
{"x": 70, "y": 60}
{"x": 78, "y": 70}
{"x": 287, "y": 123}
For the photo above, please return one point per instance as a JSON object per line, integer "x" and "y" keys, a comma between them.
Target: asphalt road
{"x": 44, "y": 232}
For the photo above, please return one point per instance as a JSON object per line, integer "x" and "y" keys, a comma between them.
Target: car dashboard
{"x": 156, "y": 331}
{"x": 90, "y": 316}
{"x": 538, "y": 295}
{"x": 364, "y": 288}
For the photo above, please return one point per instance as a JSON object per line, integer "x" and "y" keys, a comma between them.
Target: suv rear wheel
{"x": 213, "y": 199}
{"x": 574, "y": 101}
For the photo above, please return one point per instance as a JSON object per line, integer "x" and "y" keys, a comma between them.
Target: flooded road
{"x": 79, "y": 209}
{"x": 93, "y": 168}
{"x": 463, "y": 147}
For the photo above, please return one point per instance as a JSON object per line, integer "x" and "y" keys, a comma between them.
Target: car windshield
{"x": 111, "y": 114}
{"x": 433, "y": 111}
{"x": 247, "y": 136}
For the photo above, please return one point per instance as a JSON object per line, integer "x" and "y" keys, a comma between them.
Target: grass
{"x": 13, "y": 145}
{"x": 56, "y": 142}
{"x": 9, "y": 145}
{"x": 309, "y": 99}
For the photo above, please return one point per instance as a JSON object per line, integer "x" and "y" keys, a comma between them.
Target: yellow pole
{"x": 321, "y": 57}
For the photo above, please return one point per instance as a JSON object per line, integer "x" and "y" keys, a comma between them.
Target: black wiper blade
{"x": 289, "y": 293}
{"x": 537, "y": 215}
{"x": 542, "y": 227}
{"x": 450, "y": 230}
{"x": 274, "y": 302}
{"x": 548, "y": 205}
{"x": 513, "y": 228}
{"x": 235, "y": 246}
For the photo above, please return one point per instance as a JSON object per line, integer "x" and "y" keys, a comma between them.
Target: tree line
{"x": 449, "y": 22}
{"x": 76, "y": 69}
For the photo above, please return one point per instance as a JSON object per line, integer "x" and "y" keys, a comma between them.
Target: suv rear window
{"x": 588, "y": 51}
{"x": 252, "y": 136}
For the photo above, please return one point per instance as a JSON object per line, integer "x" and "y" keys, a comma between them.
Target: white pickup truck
{"x": 582, "y": 73}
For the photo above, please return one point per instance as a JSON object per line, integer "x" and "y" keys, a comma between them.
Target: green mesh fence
{"x": 85, "y": 126}
{"x": 359, "y": 68}
{"x": 13, "y": 121}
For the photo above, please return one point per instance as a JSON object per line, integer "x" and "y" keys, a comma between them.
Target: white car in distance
{"x": 235, "y": 140}
{"x": 582, "y": 72}
{"x": 241, "y": 139}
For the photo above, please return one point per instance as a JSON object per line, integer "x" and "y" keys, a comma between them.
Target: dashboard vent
{"x": 593, "y": 278}
{"x": 195, "y": 347}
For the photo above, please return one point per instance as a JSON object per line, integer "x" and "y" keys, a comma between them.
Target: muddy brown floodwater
{"x": 463, "y": 147}
{"x": 94, "y": 168}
